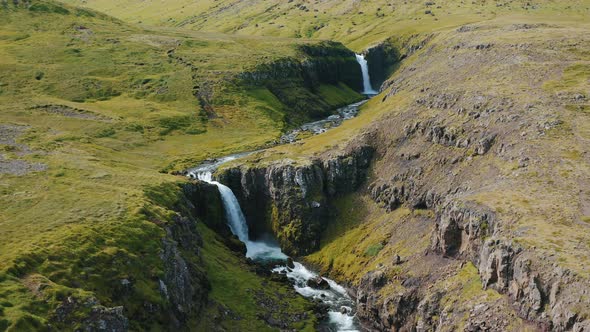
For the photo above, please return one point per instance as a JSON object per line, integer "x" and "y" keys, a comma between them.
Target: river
{"x": 341, "y": 307}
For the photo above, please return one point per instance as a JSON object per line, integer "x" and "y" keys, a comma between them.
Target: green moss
{"x": 47, "y": 7}
{"x": 238, "y": 289}
{"x": 28, "y": 323}
{"x": 339, "y": 95}
{"x": 373, "y": 249}
{"x": 574, "y": 79}
{"x": 107, "y": 132}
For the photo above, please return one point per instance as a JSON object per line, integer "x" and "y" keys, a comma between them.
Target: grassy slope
{"x": 76, "y": 220}
{"x": 241, "y": 291}
{"x": 356, "y": 23}
{"x": 95, "y": 178}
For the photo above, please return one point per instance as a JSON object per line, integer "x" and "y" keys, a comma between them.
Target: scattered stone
{"x": 483, "y": 46}
{"x": 19, "y": 167}
{"x": 106, "y": 319}
{"x": 318, "y": 283}
{"x": 345, "y": 310}
{"x": 485, "y": 144}
{"x": 579, "y": 97}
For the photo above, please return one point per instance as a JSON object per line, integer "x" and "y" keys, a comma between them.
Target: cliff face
{"x": 324, "y": 63}
{"x": 293, "y": 201}
{"x": 184, "y": 285}
{"x": 381, "y": 59}
{"x": 386, "y": 56}
{"x": 326, "y": 77}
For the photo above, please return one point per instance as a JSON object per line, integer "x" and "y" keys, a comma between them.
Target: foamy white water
{"x": 341, "y": 313}
{"x": 237, "y": 222}
{"x": 367, "y": 88}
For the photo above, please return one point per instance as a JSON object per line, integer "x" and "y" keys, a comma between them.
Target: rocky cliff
{"x": 479, "y": 162}
{"x": 184, "y": 285}
{"x": 293, "y": 201}
{"x": 322, "y": 63}
{"x": 325, "y": 77}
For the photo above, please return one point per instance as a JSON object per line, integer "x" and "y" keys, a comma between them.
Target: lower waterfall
{"x": 341, "y": 307}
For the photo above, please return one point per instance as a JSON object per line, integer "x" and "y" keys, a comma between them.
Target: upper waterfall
{"x": 367, "y": 88}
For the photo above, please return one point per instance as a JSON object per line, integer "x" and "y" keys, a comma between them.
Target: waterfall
{"x": 367, "y": 88}
{"x": 341, "y": 312}
{"x": 238, "y": 225}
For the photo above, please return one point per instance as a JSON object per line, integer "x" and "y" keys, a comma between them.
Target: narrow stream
{"x": 321, "y": 126}
{"x": 341, "y": 307}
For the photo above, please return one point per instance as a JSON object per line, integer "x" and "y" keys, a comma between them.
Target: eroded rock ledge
{"x": 292, "y": 201}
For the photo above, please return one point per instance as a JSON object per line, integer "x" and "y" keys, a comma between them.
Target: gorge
{"x": 339, "y": 305}
{"x": 340, "y": 308}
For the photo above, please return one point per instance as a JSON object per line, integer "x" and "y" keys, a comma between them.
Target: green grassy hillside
{"x": 95, "y": 110}
{"x": 358, "y": 24}
{"x": 100, "y": 103}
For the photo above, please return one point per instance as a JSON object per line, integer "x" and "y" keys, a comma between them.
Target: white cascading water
{"x": 238, "y": 225}
{"x": 368, "y": 89}
{"x": 235, "y": 216}
{"x": 341, "y": 313}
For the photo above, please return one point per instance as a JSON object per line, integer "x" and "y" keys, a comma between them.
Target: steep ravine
{"x": 459, "y": 167}
{"x": 187, "y": 285}
{"x": 324, "y": 77}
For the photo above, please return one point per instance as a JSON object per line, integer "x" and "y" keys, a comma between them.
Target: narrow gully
{"x": 341, "y": 308}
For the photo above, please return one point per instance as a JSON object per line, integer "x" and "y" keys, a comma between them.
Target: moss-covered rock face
{"x": 294, "y": 201}
{"x": 382, "y": 60}
{"x": 301, "y": 84}
{"x": 204, "y": 202}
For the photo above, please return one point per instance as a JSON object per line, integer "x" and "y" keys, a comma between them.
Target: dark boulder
{"x": 318, "y": 283}
{"x": 290, "y": 263}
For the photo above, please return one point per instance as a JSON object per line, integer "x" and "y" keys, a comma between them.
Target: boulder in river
{"x": 290, "y": 263}
{"x": 318, "y": 283}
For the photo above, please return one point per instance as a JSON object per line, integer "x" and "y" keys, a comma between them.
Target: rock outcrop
{"x": 184, "y": 284}
{"x": 324, "y": 63}
{"x": 292, "y": 200}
